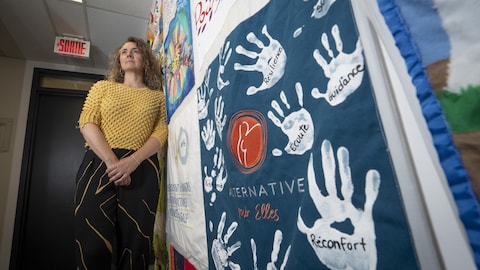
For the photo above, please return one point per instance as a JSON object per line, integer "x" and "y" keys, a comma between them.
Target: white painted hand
{"x": 203, "y": 97}
{"x": 219, "y": 166}
{"x": 321, "y": 8}
{"x": 220, "y": 118}
{"x": 333, "y": 247}
{"x": 298, "y": 125}
{"x": 345, "y": 71}
{"x": 271, "y": 61}
{"x": 208, "y": 134}
{"x": 207, "y": 181}
{"x": 277, "y": 241}
{"x": 217, "y": 177}
{"x": 223, "y": 58}
{"x": 221, "y": 252}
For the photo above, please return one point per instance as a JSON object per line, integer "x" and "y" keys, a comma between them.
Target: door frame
{"x": 27, "y": 156}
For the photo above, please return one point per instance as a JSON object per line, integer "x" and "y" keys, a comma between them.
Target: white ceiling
{"x": 28, "y": 27}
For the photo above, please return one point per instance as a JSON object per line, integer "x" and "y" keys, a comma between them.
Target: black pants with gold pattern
{"x": 114, "y": 225}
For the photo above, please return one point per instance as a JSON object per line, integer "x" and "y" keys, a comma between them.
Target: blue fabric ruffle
{"x": 457, "y": 177}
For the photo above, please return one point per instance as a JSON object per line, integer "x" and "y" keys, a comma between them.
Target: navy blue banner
{"x": 296, "y": 168}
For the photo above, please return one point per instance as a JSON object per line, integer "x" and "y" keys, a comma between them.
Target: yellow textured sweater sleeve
{"x": 91, "y": 107}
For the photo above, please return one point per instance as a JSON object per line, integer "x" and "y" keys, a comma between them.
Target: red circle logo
{"x": 247, "y": 140}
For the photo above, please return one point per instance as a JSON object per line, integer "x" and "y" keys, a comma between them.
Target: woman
{"x": 123, "y": 122}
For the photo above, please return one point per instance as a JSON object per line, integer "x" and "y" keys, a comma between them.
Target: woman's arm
{"x": 96, "y": 140}
{"x": 151, "y": 146}
{"x": 118, "y": 172}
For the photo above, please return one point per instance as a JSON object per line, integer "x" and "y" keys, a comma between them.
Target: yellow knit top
{"x": 126, "y": 116}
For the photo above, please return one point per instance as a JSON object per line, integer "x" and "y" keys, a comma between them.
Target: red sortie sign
{"x": 72, "y": 47}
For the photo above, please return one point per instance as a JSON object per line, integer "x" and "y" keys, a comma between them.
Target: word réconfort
{"x": 339, "y": 244}
{"x": 276, "y": 188}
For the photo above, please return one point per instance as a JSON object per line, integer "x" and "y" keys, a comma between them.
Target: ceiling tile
{"x": 68, "y": 18}
{"x": 28, "y": 27}
{"x": 108, "y": 29}
{"x": 32, "y": 33}
{"x": 137, "y": 8}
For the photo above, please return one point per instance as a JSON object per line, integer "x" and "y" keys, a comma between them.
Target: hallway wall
{"x": 11, "y": 76}
{"x": 16, "y": 76}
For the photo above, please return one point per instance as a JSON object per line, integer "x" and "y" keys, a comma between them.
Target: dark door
{"x": 44, "y": 236}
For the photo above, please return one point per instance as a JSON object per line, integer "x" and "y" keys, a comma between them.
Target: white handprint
{"x": 321, "y": 8}
{"x": 203, "y": 97}
{"x": 220, "y": 118}
{"x": 220, "y": 251}
{"x": 218, "y": 174}
{"x": 334, "y": 248}
{"x": 223, "y": 58}
{"x": 208, "y": 180}
{"x": 271, "y": 61}
{"x": 208, "y": 184}
{"x": 345, "y": 71}
{"x": 219, "y": 165}
{"x": 298, "y": 125}
{"x": 277, "y": 241}
{"x": 208, "y": 134}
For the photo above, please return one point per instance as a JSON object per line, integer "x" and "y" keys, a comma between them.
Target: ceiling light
{"x": 78, "y": 1}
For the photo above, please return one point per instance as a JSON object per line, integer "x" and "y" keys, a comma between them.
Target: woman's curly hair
{"x": 152, "y": 76}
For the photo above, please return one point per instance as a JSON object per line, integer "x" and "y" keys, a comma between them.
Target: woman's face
{"x": 131, "y": 59}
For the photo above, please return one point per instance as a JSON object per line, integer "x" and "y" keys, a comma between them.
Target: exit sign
{"x": 72, "y": 46}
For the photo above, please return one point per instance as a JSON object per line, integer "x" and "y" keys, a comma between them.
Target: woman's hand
{"x": 119, "y": 172}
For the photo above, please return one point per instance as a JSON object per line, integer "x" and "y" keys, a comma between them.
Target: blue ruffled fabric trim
{"x": 457, "y": 177}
